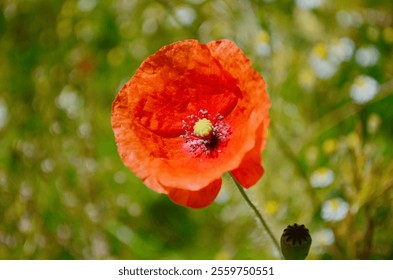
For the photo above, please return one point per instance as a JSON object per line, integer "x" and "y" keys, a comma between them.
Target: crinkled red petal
{"x": 195, "y": 199}
{"x": 177, "y": 81}
{"x": 250, "y": 169}
{"x": 131, "y": 138}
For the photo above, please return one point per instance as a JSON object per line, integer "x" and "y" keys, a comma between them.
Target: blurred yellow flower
{"x": 320, "y": 50}
{"x": 329, "y": 146}
{"x": 271, "y": 207}
{"x": 263, "y": 37}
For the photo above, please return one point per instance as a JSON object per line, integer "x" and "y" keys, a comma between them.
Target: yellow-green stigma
{"x": 203, "y": 127}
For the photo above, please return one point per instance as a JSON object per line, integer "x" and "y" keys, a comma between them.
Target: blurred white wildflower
{"x": 124, "y": 234}
{"x": 92, "y": 212}
{"x": 262, "y": 47}
{"x": 63, "y": 232}
{"x": 367, "y": 56}
{"x": 323, "y": 67}
{"x": 334, "y": 209}
{"x": 322, "y": 238}
{"x": 120, "y": 177}
{"x": 69, "y": 101}
{"x": 47, "y": 165}
{"x": 325, "y": 59}
{"x": 84, "y": 130}
{"x": 25, "y": 191}
{"x": 90, "y": 164}
{"x": 185, "y": 15}
{"x": 25, "y": 224}
{"x": 363, "y": 89}
{"x": 342, "y": 49}
{"x": 308, "y": 4}
{"x": 322, "y": 177}
{"x": 150, "y": 26}
{"x": 134, "y": 209}
{"x": 99, "y": 246}
{"x": 349, "y": 18}
{"x": 27, "y": 148}
{"x": 55, "y": 127}
{"x": 3, "y": 113}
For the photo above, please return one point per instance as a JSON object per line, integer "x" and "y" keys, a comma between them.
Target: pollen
{"x": 203, "y": 127}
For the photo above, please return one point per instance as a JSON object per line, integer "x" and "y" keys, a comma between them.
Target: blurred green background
{"x": 65, "y": 194}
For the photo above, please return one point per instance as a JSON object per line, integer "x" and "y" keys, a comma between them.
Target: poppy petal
{"x": 249, "y": 172}
{"x": 195, "y": 199}
{"x": 255, "y": 96}
{"x": 250, "y": 169}
{"x": 177, "y": 81}
{"x": 129, "y": 139}
{"x": 154, "y": 158}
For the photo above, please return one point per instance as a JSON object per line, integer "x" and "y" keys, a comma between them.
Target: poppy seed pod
{"x": 295, "y": 242}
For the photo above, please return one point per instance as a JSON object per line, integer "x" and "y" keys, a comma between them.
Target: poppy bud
{"x": 295, "y": 242}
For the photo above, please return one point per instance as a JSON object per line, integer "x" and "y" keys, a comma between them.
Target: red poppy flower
{"x": 189, "y": 114}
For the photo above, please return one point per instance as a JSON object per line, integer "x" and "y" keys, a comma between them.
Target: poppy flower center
{"x": 205, "y": 135}
{"x": 203, "y": 127}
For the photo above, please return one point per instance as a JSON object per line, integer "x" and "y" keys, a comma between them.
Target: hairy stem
{"x": 258, "y": 214}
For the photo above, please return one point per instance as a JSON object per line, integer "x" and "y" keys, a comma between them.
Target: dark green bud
{"x": 295, "y": 242}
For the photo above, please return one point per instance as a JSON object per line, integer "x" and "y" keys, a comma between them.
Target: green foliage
{"x": 65, "y": 194}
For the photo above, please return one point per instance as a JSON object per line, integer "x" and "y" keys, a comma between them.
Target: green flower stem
{"x": 257, "y": 213}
